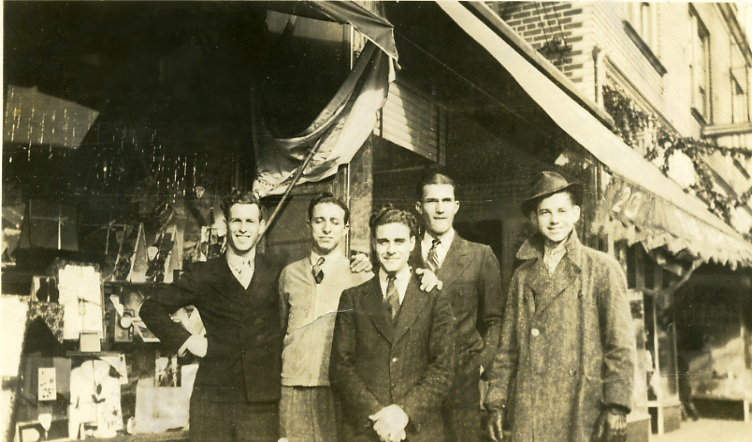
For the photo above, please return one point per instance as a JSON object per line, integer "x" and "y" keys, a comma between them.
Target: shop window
{"x": 700, "y": 66}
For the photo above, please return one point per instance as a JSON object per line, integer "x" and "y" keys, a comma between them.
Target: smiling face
{"x": 328, "y": 227}
{"x": 437, "y": 208}
{"x": 393, "y": 245}
{"x": 243, "y": 228}
{"x": 555, "y": 217}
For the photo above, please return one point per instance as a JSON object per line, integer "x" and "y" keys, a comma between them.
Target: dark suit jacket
{"x": 472, "y": 281}
{"x": 243, "y": 329}
{"x": 376, "y": 363}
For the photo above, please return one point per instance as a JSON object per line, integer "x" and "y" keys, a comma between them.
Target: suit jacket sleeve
{"x": 427, "y": 395}
{"x": 505, "y": 363}
{"x": 156, "y": 311}
{"x": 491, "y": 305}
{"x": 358, "y": 401}
{"x": 617, "y": 336}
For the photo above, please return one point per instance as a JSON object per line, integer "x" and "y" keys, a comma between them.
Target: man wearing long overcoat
{"x": 566, "y": 360}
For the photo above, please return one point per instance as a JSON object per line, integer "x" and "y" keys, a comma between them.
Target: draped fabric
{"x": 336, "y": 133}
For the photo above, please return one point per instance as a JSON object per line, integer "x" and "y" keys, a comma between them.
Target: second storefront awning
{"x": 664, "y": 215}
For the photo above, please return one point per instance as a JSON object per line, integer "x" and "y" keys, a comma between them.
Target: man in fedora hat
{"x": 565, "y": 364}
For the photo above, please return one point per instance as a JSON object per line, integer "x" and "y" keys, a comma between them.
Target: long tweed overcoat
{"x": 567, "y": 345}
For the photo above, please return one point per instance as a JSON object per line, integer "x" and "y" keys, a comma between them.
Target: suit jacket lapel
{"x": 455, "y": 261}
{"x": 224, "y": 282}
{"x": 412, "y": 305}
{"x": 372, "y": 301}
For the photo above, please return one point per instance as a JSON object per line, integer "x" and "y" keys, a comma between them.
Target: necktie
{"x": 317, "y": 272}
{"x": 433, "y": 255}
{"x": 392, "y": 296}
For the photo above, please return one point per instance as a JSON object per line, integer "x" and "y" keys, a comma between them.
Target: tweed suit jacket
{"x": 376, "y": 362}
{"x": 243, "y": 359}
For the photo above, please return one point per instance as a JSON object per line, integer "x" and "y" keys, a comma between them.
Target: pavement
{"x": 708, "y": 430}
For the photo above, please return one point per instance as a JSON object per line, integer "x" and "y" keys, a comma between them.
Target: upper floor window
{"x": 700, "y": 65}
{"x": 642, "y": 16}
{"x": 739, "y": 108}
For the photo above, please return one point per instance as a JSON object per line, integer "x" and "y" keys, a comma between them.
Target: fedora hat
{"x": 548, "y": 183}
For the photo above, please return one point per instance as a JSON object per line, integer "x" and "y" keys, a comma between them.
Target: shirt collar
{"x": 446, "y": 239}
{"x": 328, "y": 259}
{"x": 402, "y": 279}
{"x": 240, "y": 262}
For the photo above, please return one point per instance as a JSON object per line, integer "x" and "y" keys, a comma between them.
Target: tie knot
{"x": 320, "y": 261}
{"x": 435, "y": 243}
{"x": 391, "y": 277}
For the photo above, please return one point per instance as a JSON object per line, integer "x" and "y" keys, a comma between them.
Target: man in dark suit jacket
{"x": 393, "y": 350}
{"x": 471, "y": 279}
{"x": 237, "y": 388}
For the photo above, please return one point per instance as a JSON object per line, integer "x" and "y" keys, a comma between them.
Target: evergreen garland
{"x": 630, "y": 124}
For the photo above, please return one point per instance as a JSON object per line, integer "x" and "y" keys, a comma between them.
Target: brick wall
{"x": 548, "y": 26}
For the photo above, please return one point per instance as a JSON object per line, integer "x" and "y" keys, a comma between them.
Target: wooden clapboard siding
{"x": 412, "y": 120}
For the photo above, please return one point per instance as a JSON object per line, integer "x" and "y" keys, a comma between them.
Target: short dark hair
{"x": 242, "y": 197}
{"x": 328, "y": 197}
{"x": 388, "y": 214}
{"x": 574, "y": 197}
{"x": 434, "y": 177}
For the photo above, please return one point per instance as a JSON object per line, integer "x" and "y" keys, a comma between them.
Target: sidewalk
{"x": 708, "y": 430}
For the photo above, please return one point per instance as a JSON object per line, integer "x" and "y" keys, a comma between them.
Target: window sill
{"x": 644, "y": 48}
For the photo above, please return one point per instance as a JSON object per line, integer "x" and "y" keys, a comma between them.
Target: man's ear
{"x": 419, "y": 207}
{"x": 346, "y": 229}
{"x": 412, "y": 243}
{"x": 533, "y": 217}
{"x": 577, "y": 212}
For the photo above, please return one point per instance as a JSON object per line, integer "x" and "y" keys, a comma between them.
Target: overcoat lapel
{"x": 372, "y": 301}
{"x": 412, "y": 305}
{"x": 565, "y": 275}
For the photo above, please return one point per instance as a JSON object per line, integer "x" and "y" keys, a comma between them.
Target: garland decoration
{"x": 641, "y": 129}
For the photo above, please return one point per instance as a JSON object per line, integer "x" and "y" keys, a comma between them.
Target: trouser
{"x": 461, "y": 409}
{"x": 307, "y": 414}
{"x": 233, "y": 421}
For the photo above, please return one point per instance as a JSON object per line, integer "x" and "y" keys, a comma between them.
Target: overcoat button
{"x": 535, "y": 332}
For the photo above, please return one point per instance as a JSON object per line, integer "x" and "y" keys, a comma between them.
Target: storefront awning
{"x": 663, "y": 215}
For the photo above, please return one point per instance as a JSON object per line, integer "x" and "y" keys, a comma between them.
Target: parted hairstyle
{"x": 388, "y": 214}
{"x": 242, "y": 197}
{"x": 434, "y": 177}
{"x": 327, "y": 197}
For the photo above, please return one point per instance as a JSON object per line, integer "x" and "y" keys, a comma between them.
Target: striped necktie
{"x": 392, "y": 295}
{"x": 433, "y": 256}
{"x": 317, "y": 271}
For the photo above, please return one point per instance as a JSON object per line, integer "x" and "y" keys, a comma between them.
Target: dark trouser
{"x": 233, "y": 421}
{"x": 461, "y": 410}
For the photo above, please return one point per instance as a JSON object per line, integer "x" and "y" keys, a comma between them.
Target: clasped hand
{"x": 390, "y": 423}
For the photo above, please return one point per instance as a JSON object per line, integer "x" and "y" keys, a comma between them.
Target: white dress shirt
{"x": 402, "y": 279}
{"x": 242, "y": 267}
{"x": 552, "y": 256}
{"x": 441, "y": 249}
